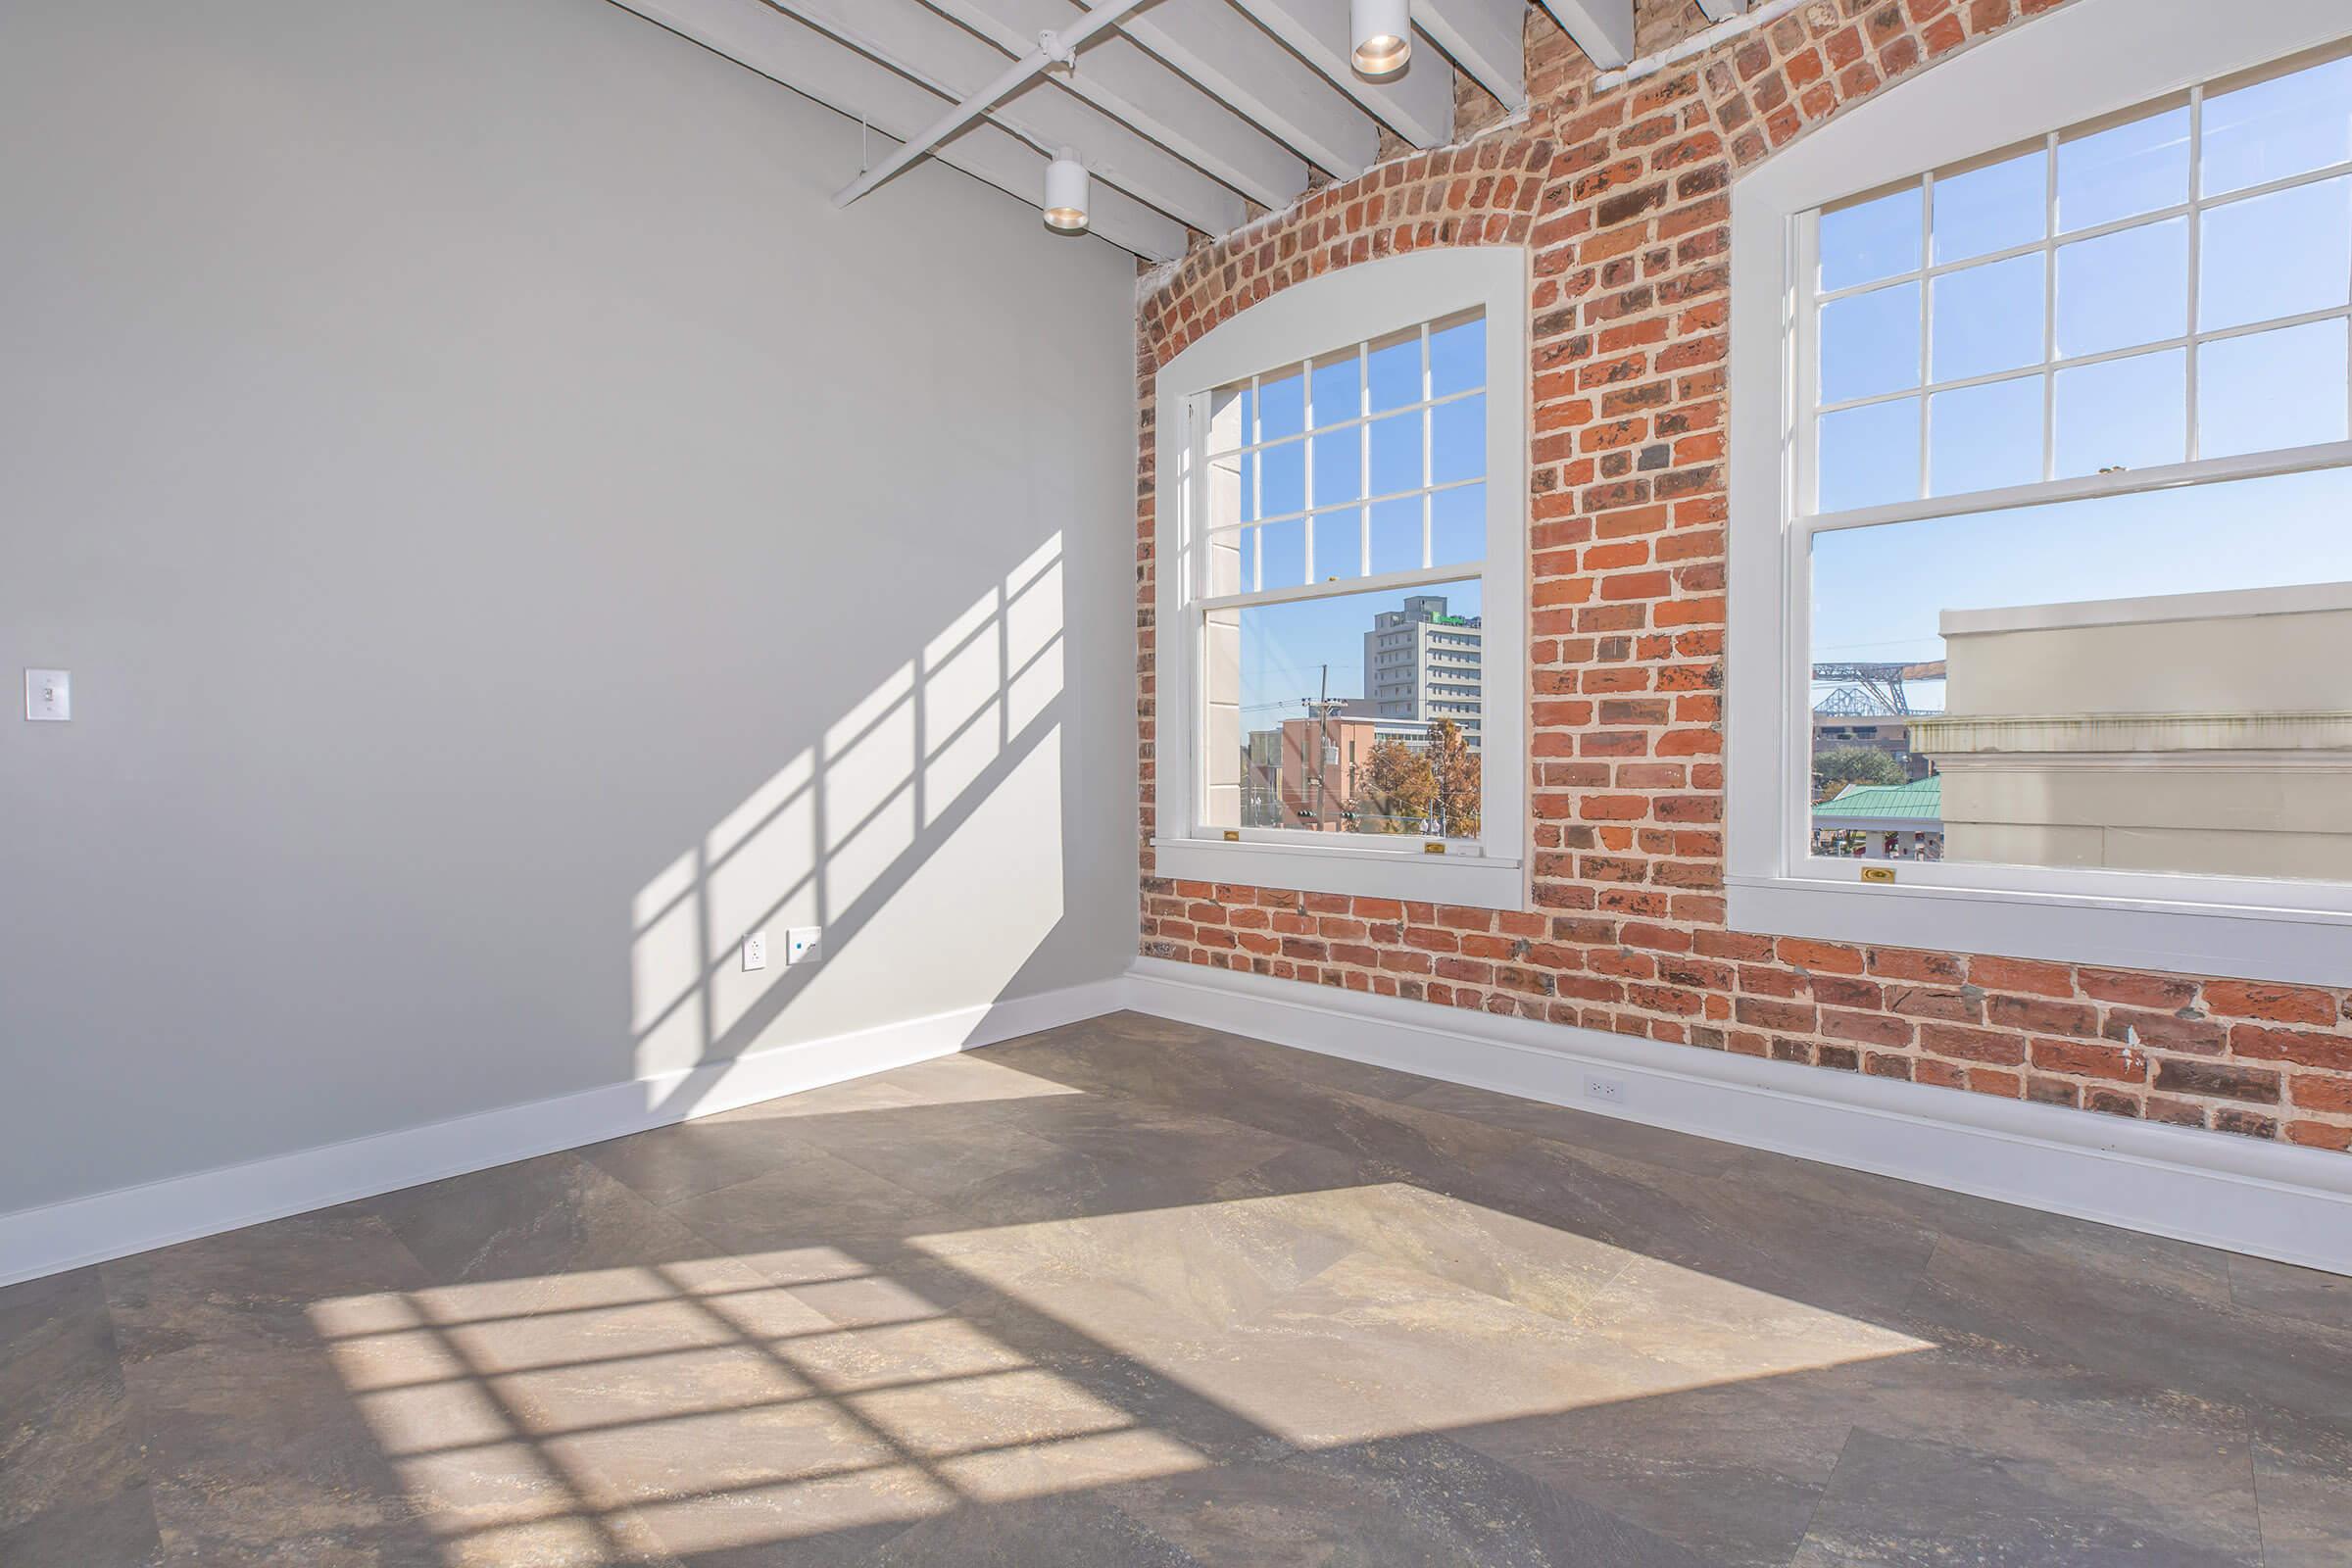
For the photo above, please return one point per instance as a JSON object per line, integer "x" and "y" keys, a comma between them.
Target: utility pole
{"x": 1322, "y": 741}
{"x": 1319, "y": 707}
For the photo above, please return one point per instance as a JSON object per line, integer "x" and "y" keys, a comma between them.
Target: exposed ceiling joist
{"x": 1488, "y": 38}
{"x": 1123, "y": 81}
{"x": 1722, "y": 10}
{"x": 1417, "y": 102}
{"x": 807, "y": 60}
{"x": 1229, "y": 57}
{"x": 1602, "y": 28}
{"x": 953, "y": 62}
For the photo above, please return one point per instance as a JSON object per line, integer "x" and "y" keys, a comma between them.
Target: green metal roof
{"x": 1922, "y": 798}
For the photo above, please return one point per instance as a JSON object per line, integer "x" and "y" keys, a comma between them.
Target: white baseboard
{"x": 80, "y": 1231}
{"x": 2240, "y": 1194}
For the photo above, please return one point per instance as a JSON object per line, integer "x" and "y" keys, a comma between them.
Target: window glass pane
{"x": 1458, "y": 525}
{"x": 1985, "y": 437}
{"x": 1394, "y": 368}
{"x": 1339, "y": 544}
{"x": 1989, "y": 318}
{"x": 2124, "y": 414}
{"x": 1870, "y": 456}
{"x": 1282, "y": 479}
{"x": 2278, "y": 255}
{"x": 1229, "y": 417}
{"x": 1338, "y": 389}
{"x": 2275, "y": 130}
{"x": 1992, "y": 209}
{"x": 2123, "y": 171}
{"x": 1871, "y": 240}
{"x": 1340, "y": 465}
{"x": 1281, "y": 554}
{"x": 2091, "y": 684}
{"x": 1280, "y": 406}
{"x": 1396, "y": 454}
{"x": 1869, "y": 343}
{"x": 1457, "y": 356}
{"x": 2272, "y": 390}
{"x": 2124, "y": 288}
{"x": 1397, "y": 535}
{"x": 1322, "y": 716}
{"x": 1229, "y": 489}
{"x": 1457, "y": 440}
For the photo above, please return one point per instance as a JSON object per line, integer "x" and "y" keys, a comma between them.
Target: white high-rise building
{"x": 1422, "y": 663}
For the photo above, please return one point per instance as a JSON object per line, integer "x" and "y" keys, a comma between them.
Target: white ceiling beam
{"x": 756, "y": 34}
{"x": 1602, "y": 28}
{"x": 949, "y": 60}
{"x": 1722, "y": 10}
{"x": 1229, "y": 57}
{"x": 1125, "y": 82}
{"x": 1416, "y": 103}
{"x": 1488, "y": 38}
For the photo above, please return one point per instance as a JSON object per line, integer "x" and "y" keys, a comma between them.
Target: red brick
{"x": 1973, "y": 1045}
{"x": 2136, "y": 989}
{"x": 2189, "y": 1075}
{"x": 1827, "y": 956}
{"x": 2090, "y": 1061}
{"x": 2242, "y": 999}
{"x": 2020, "y": 974}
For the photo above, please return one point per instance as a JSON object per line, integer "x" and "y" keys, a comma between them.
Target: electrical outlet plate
{"x": 755, "y": 950}
{"x": 1608, "y": 1088}
{"x": 800, "y": 944}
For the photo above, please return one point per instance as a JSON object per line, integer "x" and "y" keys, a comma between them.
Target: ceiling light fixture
{"x": 1383, "y": 32}
{"x": 1066, "y": 185}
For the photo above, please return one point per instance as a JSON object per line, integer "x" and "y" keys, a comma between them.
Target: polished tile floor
{"x": 1129, "y": 1292}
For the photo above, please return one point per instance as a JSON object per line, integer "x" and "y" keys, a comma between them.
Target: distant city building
{"x": 1889, "y": 733}
{"x": 1423, "y": 665}
{"x": 1303, "y": 774}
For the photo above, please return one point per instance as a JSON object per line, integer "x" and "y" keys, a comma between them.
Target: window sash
{"x": 1923, "y": 503}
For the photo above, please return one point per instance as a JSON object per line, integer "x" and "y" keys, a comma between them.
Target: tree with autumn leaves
{"x": 1432, "y": 789}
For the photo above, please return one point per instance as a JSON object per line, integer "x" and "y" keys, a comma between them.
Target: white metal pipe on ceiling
{"x": 1053, "y": 49}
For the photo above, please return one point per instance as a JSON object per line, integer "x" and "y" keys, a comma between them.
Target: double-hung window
{"x": 2042, "y": 501}
{"x": 1342, "y": 536}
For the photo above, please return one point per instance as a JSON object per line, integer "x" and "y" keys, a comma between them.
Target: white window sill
{"x": 1476, "y": 881}
{"x": 2301, "y": 947}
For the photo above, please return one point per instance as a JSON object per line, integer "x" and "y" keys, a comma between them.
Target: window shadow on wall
{"x": 845, "y": 825}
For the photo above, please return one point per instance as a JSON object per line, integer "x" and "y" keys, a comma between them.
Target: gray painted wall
{"x": 510, "y": 535}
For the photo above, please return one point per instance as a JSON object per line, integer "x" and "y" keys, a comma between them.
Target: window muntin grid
{"x": 1363, "y": 463}
{"x": 2018, "y": 345}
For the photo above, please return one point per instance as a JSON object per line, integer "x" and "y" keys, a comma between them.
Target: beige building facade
{"x": 2206, "y": 733}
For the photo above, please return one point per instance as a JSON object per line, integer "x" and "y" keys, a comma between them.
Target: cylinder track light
{"x": 1383, "y": 32}
{"x": 1066, "y": 185}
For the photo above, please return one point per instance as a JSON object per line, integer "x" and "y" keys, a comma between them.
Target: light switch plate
{"x": 800, "y": 944}
{"x": 48, "y": 695}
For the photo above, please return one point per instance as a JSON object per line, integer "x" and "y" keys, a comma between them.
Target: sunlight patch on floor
{"x": 1311, "y": 1315}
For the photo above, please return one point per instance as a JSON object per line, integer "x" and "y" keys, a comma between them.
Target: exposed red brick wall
{"x": 1623, "y": 199}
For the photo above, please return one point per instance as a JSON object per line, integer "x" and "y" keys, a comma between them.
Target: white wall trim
{"x": 2267, "y": 1199}
{"x": 2214, "y": 1189}
{"x": 80, "y": 1231}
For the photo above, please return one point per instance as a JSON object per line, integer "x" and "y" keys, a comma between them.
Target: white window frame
{"x": 1353, "y": 305}
{"x": 2089, "y": 58}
